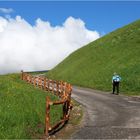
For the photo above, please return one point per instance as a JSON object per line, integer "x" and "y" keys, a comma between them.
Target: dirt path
{"x": 107, "y": 116}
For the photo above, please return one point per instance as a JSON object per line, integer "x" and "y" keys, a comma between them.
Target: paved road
{"x": 107, "y": 116}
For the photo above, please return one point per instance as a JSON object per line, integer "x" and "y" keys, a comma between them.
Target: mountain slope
{"x": 93, "y": 65}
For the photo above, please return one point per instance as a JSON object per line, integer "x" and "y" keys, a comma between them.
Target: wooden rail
{"x": 59, "y": 88}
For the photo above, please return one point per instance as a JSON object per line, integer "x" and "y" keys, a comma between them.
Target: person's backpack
{"x": 117, "y": 79}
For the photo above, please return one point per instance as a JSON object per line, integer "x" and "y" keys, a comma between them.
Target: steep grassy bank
{"x": 22, "y": 109}
{"x": 93, "y": 65}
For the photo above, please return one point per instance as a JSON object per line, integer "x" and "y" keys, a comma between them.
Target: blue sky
{"x": 102, "y": 16}
{"x": 39, "y": 35}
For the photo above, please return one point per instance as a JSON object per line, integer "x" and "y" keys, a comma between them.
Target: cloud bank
{"x": 6, "y": 10}
{"x": 39, "y": 47}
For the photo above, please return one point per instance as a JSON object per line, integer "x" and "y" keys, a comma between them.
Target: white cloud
{"x": 39, "y": 47}
{"x": 6, "y": 10}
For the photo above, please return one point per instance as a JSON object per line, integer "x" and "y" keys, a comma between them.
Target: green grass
{"x": 22, "y": 109}
{"x": 93, "y": 65}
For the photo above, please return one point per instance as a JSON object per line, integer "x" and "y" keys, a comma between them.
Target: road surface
{"x": 107, "y": 116}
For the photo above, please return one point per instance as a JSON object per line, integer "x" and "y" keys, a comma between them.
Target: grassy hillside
{"x": 22, "y": 109}
{"x": 93, "y": 65}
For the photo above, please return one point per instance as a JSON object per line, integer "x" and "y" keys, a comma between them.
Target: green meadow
{"x": 22, "y": 106}
{"x": 22, "y": 109}
{"x": 94, "y": 64}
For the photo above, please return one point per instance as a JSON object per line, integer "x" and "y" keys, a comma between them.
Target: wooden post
{"x": 30, "y": 79}
{"x": 22, "y": 74}
{"x": 57, "y": 88}
{"x": 53, "y": 84}
{"x": 34, "y": 81}
{"x": 64, "y": 110}
{"x": 25, "y": 77}
{"x": 39, "y": 82}
{"x": 44, "y": 83}
{"x": 48, "y": 85}
{"x": 65, "y": 87}
{"x": 47, "y": 119}
{"x": 61, "y": 87}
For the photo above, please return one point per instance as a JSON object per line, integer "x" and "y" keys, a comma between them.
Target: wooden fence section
{"x": 59, "y": 88}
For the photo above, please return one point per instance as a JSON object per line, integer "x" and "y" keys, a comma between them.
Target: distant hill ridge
{"x": 93, "y": 65}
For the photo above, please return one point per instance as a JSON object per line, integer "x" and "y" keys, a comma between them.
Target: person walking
{"x": 115, "y": 82}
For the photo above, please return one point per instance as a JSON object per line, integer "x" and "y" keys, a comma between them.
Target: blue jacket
{"x": 116, "y": 78}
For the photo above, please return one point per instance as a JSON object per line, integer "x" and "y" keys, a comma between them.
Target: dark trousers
{"x": 116, "y": 86}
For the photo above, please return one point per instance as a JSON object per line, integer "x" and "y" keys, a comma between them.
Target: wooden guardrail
{"x": 59, "y": 88}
